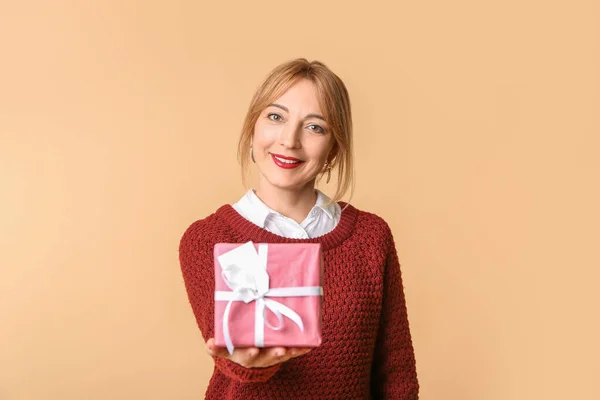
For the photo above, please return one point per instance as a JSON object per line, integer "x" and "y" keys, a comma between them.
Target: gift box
{"x": 268, "y": 294}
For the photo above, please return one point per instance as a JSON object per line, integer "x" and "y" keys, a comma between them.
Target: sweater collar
{"x": 250, "y": 231}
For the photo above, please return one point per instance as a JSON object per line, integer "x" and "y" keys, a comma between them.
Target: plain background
{"x": 477, "y": 138}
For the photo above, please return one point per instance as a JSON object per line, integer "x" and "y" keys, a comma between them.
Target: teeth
{"x": 286, "y": 161}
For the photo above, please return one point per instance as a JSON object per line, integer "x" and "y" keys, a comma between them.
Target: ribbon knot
{"x": 244, "y": 270}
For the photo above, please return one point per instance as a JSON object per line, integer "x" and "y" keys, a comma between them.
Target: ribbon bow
{"x": 244, "y": 270}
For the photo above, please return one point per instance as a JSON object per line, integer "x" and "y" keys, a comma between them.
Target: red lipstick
{"x": 285, "y": 161}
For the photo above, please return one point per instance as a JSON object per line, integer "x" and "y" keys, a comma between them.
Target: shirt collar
{"x": 261, "y": 211}
{"x": 322, "y": 200}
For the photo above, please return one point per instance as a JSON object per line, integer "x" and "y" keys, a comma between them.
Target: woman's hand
{"x": 253, "y": 357}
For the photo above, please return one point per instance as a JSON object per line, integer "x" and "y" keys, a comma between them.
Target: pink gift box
{"x": 288, "y": 265}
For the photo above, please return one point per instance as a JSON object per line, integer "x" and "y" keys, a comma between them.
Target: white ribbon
{"x": 244, "y": 270}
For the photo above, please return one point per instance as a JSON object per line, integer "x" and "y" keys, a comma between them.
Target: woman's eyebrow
{"x": 284, "y": 108}
{"x": 315, "y": 116}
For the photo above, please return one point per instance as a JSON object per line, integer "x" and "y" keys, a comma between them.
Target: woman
{"x": 297, "y": 130}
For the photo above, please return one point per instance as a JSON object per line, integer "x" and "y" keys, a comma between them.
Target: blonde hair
{"x": 334, "y": 102}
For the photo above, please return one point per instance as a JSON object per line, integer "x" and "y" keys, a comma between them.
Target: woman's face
{"x": 291, "y": 140}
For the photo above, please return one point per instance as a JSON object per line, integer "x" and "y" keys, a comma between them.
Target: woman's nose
{"x": 290, "y": 136}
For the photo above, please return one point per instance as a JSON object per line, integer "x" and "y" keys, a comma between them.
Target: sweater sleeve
{"x": 196, "y": 261}
{"x": 394, "y": 373}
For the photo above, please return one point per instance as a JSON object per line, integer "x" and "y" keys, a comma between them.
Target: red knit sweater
{"x": 367, "y": 351}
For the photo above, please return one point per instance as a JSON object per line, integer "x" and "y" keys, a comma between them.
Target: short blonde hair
{"x": 334, "y": 102}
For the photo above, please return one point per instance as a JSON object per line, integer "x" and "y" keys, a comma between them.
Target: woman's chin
{"x": 285, "y": 183}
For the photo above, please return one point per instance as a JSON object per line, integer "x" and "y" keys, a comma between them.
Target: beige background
{"x": 477, "y": 139}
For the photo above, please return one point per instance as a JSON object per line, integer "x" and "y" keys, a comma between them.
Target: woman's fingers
{"x": 246, "y": 357}
{"x": 242, "y": 356}
{"x": 299, "y": 351}
{"x": 215, "y": 351}
{"x": 276, "y": 355}
{"x": 276, "y": 352}
{"x": 253, "y": 357}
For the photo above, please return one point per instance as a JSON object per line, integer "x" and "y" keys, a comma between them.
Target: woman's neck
{"x": 293, "y": 203}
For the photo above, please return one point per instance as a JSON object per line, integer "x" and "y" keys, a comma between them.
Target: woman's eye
{"x": 316, "y": 128}
{"x": 274, "y": 117}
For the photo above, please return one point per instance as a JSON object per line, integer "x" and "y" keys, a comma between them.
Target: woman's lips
{"x": 286, "y": 162}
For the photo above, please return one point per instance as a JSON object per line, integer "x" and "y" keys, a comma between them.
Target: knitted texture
{"x": 367, "y": 351}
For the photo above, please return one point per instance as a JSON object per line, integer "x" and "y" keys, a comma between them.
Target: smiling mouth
{"x": 286, "y": 162}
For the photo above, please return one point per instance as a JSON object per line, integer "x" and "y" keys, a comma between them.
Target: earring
{"x": 252, "y": 155}
{"x": 328, "y": 169}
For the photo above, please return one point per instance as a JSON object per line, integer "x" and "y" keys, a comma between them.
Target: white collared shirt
{"x": 320, "y": 220}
